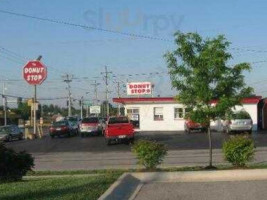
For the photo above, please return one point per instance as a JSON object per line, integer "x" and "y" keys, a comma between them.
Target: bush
{"x": 238, "y": 150}
{"x": 13, "y": 166}
{"x": 149, "y": 154}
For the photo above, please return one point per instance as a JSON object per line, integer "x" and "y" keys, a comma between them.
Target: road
{"x": 238, "y": 190}
{"x": 77, "y": 153}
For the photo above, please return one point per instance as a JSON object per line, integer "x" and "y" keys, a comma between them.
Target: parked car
{"x": 238, "y": 122}
{"x": 190, "y": 126}
{"x": 10, "y": 132}
{"x": 119, "y": 129}
{"x": 62, "y": 128}
{"x": 90, "y": 125}
{"x": 74, "y": 122}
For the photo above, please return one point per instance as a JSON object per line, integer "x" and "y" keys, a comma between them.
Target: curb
{"x": 60, "y": 176}
{"x": 129, "y": 184}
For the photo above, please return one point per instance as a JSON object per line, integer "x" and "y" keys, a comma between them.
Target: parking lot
{"x": 92, "y": 152}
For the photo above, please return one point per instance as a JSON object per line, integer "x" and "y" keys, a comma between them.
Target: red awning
{"x": 249, "y": 100}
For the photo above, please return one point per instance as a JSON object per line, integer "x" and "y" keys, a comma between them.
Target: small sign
{"x": 87, "y": 103}
{"x": 139, "y": 88}
{"x": 36, "y": 106}
{"x": 95, "y": 109}
{"x": 41, "y": 121}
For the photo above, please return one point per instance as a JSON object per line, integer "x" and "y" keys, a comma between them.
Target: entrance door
{"x": 133, "y": 114}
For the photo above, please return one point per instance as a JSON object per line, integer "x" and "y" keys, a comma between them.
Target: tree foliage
{"x": 200, "y": 72}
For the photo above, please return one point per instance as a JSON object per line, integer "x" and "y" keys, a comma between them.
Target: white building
{"x": 166, "y": 114}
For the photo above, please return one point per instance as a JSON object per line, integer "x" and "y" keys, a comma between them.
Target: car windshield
{"x": 90, "y": 120}
{"x": 72, "y": 119}
{"x": 60, "y": 123}
{"x": 118, "y": 120}
{"x": 241, "y": 115}
{"x": 5, "y": 130}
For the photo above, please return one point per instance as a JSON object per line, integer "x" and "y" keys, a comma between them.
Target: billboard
{"x": 139, "y": 88}
{"x": 95, "y": 109}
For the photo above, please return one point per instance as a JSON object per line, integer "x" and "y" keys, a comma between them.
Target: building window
{"x": 179, "y": 113}
{"x": 133, "y": 111}
{"x": 158, "y": 114}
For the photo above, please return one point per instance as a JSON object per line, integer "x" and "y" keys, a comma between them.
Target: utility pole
{"x": 68, "y": 80}
{"x": 119, "y": 95}
{"x": 95, "y": 84}
{"x": 4, "y": 104}
{"x": 81, "y": 107}
{"x": 106, "y": 73}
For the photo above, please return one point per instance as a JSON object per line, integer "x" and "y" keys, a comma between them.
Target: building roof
{"x": 128, "y": 100}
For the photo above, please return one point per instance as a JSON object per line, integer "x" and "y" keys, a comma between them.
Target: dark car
{"x": 62, "y": 128}
{"x": 10, "y": 132}
{"x": 90, "y": 125}
{"x": 74, "y": 122}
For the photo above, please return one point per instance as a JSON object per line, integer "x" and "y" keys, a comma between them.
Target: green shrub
{"x": 14, "y": 165}
{"x": 149, "y": 154}
{"x": 238, "y": 150}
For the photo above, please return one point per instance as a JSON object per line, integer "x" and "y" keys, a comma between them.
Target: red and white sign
{"x": 34, "y": 72}
{"x": 139, "y": 88}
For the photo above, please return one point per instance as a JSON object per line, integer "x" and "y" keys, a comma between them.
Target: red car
{"x": 190, "y": 125}
{"x": 119, "y": 129}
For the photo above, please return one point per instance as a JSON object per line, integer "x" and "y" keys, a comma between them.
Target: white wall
{"x": 147, "y": 122}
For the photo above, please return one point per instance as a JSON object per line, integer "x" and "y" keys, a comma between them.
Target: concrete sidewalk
{"x": 226, "y": 184}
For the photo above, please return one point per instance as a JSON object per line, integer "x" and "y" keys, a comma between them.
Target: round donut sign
{"x": 34, "y": 72}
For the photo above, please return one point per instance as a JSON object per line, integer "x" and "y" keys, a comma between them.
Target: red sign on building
{"x": 139, "y": 88}
{"x": 34, "y": 72}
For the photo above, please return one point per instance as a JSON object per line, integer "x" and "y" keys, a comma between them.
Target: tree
{"x": 200, "y": 73}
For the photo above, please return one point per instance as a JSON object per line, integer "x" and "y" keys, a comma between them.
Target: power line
{"x": 84, "y": 26}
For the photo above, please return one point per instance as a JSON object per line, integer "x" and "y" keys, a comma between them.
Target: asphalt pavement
{"x": 240, "y": 190}
{"x": 76, "y": 153}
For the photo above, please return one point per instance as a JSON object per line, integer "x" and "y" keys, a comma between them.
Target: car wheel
{"x": 21, "y": 137}
{"x": 8, "y": 138}
{"x": 108, "y": 141}
{"x": 132, "y": 140}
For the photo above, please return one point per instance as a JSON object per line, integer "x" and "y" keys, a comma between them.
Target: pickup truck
{"x": 118, "y": 129}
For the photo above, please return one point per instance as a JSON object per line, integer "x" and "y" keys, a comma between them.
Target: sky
{"x": 84, "y": 52}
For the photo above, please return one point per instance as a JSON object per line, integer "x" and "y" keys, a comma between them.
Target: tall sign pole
{"x": 34, "y": 72}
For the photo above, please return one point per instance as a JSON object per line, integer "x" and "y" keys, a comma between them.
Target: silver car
{"x": 238, "y": 122}
{"x": 10, "y": 132}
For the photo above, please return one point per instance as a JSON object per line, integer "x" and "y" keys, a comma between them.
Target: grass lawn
{"x": 58, "y": 188}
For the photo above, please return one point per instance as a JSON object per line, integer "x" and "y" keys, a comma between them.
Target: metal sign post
{"x": 34, "y": 72}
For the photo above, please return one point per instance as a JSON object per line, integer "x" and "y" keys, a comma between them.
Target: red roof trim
{"x": 249, "y": 100}
{"x": 144, "y": 99}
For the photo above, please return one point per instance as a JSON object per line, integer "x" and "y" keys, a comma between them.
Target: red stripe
{"x": 249, "y": 100}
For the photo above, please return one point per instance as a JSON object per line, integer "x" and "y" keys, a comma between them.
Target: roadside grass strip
{"x": 62, "y": 188}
